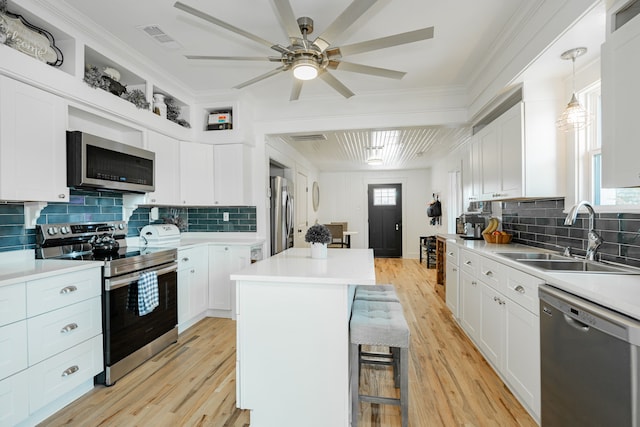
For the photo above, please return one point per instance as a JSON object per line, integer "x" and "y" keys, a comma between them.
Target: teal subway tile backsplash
{"x": 100, "y": 206}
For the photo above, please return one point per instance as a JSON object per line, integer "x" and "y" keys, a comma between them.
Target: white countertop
{"x": 619, "y": 292}
{"x": 20, "y": 266}
{"x": 205, "y": 238}
{"x": 295, "y": 265}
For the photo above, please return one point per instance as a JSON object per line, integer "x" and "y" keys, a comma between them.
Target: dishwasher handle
{"x": 576, "y": 323}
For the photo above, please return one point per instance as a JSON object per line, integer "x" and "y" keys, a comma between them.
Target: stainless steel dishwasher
{"x": 589, "y": 363}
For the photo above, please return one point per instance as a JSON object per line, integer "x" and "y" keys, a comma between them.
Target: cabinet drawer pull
{"x": 467, "y": 262}
{"x": 519, "y": 289}
{"x": 72, "y": 370}
{"x": 473, "y": 282}
{"x": 68, "y": 289}
{"x": 450, "y": 253}
{"x": 488, "y": 273}
{"x": 70, "y": 327}
{"x": 454, "y": 269}
{"x": 185, "y": 259}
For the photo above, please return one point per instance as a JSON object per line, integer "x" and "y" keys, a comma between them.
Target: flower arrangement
{"x": 318, "y": 233}
{"x": 174, "y": 218}
{"x": 137, "y": 98}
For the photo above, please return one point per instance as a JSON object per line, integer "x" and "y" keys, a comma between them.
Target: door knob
{"x": 397, "y": 227}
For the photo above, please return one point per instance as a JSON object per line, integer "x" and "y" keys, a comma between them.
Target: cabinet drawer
{"x": 491, "y": 273}
{"x": 58, "y": 330}
{"x": 14, "y": 399}
{"x": 468, "y": 262}
{"x": 63, "y": 372}
{"x": 13, "y": 342}
{"x": 452, "y": 253}
{"x": 522, "y": 288}
{"x": 13, "y": 303}
{"x": 186, "y": 258}
{"x": 58, "y": 291}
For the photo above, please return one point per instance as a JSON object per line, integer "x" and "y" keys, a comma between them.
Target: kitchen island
{"x": 292, "y": 353}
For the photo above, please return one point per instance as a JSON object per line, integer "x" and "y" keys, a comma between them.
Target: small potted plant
{"x": 319, "y": 236}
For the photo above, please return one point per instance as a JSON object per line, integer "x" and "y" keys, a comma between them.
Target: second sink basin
{"x": 533, "y": 256}
{"x": 574, "y": 266}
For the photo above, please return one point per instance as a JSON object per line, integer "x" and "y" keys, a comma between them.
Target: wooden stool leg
{"x": 395, "y": 352}
{"x": 355, "y": 384}
{"x": 404, "y": 385}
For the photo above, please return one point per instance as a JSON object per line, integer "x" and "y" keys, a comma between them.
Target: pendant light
{"x": 574, "y": 116}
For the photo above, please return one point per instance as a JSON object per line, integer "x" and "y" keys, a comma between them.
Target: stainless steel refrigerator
{"x": 281, "y": 214}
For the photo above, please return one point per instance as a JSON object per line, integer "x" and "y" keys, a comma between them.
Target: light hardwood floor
{"x": 193, "y": 383}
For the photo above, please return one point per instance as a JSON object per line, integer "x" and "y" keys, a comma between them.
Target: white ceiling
{"x": 468, "y": 33}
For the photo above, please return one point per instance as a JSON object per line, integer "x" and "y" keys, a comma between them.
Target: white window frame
{"x": 587, "y": 144}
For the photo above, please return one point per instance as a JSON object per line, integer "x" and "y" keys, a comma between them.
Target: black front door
{"x": 385, "y": 220}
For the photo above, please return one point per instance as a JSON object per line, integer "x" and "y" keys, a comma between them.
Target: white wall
{"x": 343, "y": 197}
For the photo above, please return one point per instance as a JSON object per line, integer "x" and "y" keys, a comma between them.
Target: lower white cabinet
{"x": 470, "y": 308}
{"x": 452, "y": 295}
{"x": 491, "y": 332}
{"x": 224, "y": 260}
{"x": 14, "y": 399}
{"x": 51, "y": 352}
{"x": 499, "y": 312}
{"x": 193, "y": 276}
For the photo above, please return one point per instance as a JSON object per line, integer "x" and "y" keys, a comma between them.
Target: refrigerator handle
{"x": 289, "y": 216}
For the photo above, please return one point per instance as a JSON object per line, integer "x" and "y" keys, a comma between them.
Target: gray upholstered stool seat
{"x": 379, "y": 323}
{"x": 376, "y": 293}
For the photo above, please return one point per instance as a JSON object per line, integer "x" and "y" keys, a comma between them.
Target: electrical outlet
{"x": 225, "y": 216}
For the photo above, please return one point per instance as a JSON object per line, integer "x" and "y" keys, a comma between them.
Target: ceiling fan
{"x": 311, "y": 59}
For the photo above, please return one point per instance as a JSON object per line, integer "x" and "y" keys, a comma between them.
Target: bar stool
{"x": 379, "y": 323}
{"x": 376, "y": 293}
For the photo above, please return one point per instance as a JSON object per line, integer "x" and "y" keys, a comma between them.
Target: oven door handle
{"x": 121, "y": 281}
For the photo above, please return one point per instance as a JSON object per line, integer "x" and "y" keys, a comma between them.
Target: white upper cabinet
{"x": 232, "y": 167}
{"x": 620, "y": 64}
{"x": 167, "y": 172}
{"x": 196, "y": 174}
{"x": 516, "y": 155}
{"x": 32, "y": 144}
{"x": 500, "y": 145}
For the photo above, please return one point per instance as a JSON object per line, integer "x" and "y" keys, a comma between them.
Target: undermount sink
{"x": 533, "y": 256}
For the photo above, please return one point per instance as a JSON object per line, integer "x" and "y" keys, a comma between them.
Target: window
{"x": 589, "y": 161}
{"x": 384, "y": 196}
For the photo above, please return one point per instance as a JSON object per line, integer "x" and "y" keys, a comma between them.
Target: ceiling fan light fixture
{"x": 305, "y": 69}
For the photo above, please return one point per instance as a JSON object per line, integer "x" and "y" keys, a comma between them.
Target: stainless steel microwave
{"x": 99, "y": 163}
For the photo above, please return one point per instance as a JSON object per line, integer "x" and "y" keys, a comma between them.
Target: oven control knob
{"x": 52, "y": 230}
{"x": 64, "y": 230}
{"x": 121, "y": 226}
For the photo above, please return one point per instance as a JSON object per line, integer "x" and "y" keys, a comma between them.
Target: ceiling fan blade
{"x": 366, "y": 69}
{"x": 260, "y": 77}
{"x": 351, "y": 14}
{"x": 336, "y": 84}
{"x": 288, "y": 19}
{"x": 236, "y": 58}
{"x": 381, "y": 43}
{"x": 295, "y": 90}
{"x": 216, "y": 21}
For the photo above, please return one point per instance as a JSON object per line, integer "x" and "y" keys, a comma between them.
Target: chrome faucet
{"x": 594, "y": 240}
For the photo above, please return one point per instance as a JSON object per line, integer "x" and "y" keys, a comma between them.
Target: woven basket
{"x": 502, "y": 239}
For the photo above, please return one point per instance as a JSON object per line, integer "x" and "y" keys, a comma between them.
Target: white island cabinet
{"x": 293, "y": 336}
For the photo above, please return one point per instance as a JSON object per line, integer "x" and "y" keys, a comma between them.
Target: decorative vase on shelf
{"x": 318, "y": 250}
{"x": 159, "y": 106}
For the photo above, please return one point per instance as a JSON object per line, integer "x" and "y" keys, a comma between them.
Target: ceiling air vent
{"x": 308, "y": 137}
{"x": 156, "y": 33}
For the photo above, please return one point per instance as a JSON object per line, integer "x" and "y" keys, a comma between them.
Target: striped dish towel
{"x": 147, "y": 292}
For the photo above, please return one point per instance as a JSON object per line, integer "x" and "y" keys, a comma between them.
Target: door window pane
{"x": 384, "y": 196}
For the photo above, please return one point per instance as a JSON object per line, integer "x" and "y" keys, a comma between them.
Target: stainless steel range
{"x": 129, "y": 338}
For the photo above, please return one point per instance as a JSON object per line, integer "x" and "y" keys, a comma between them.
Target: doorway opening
{"x": 385, "y": 220}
